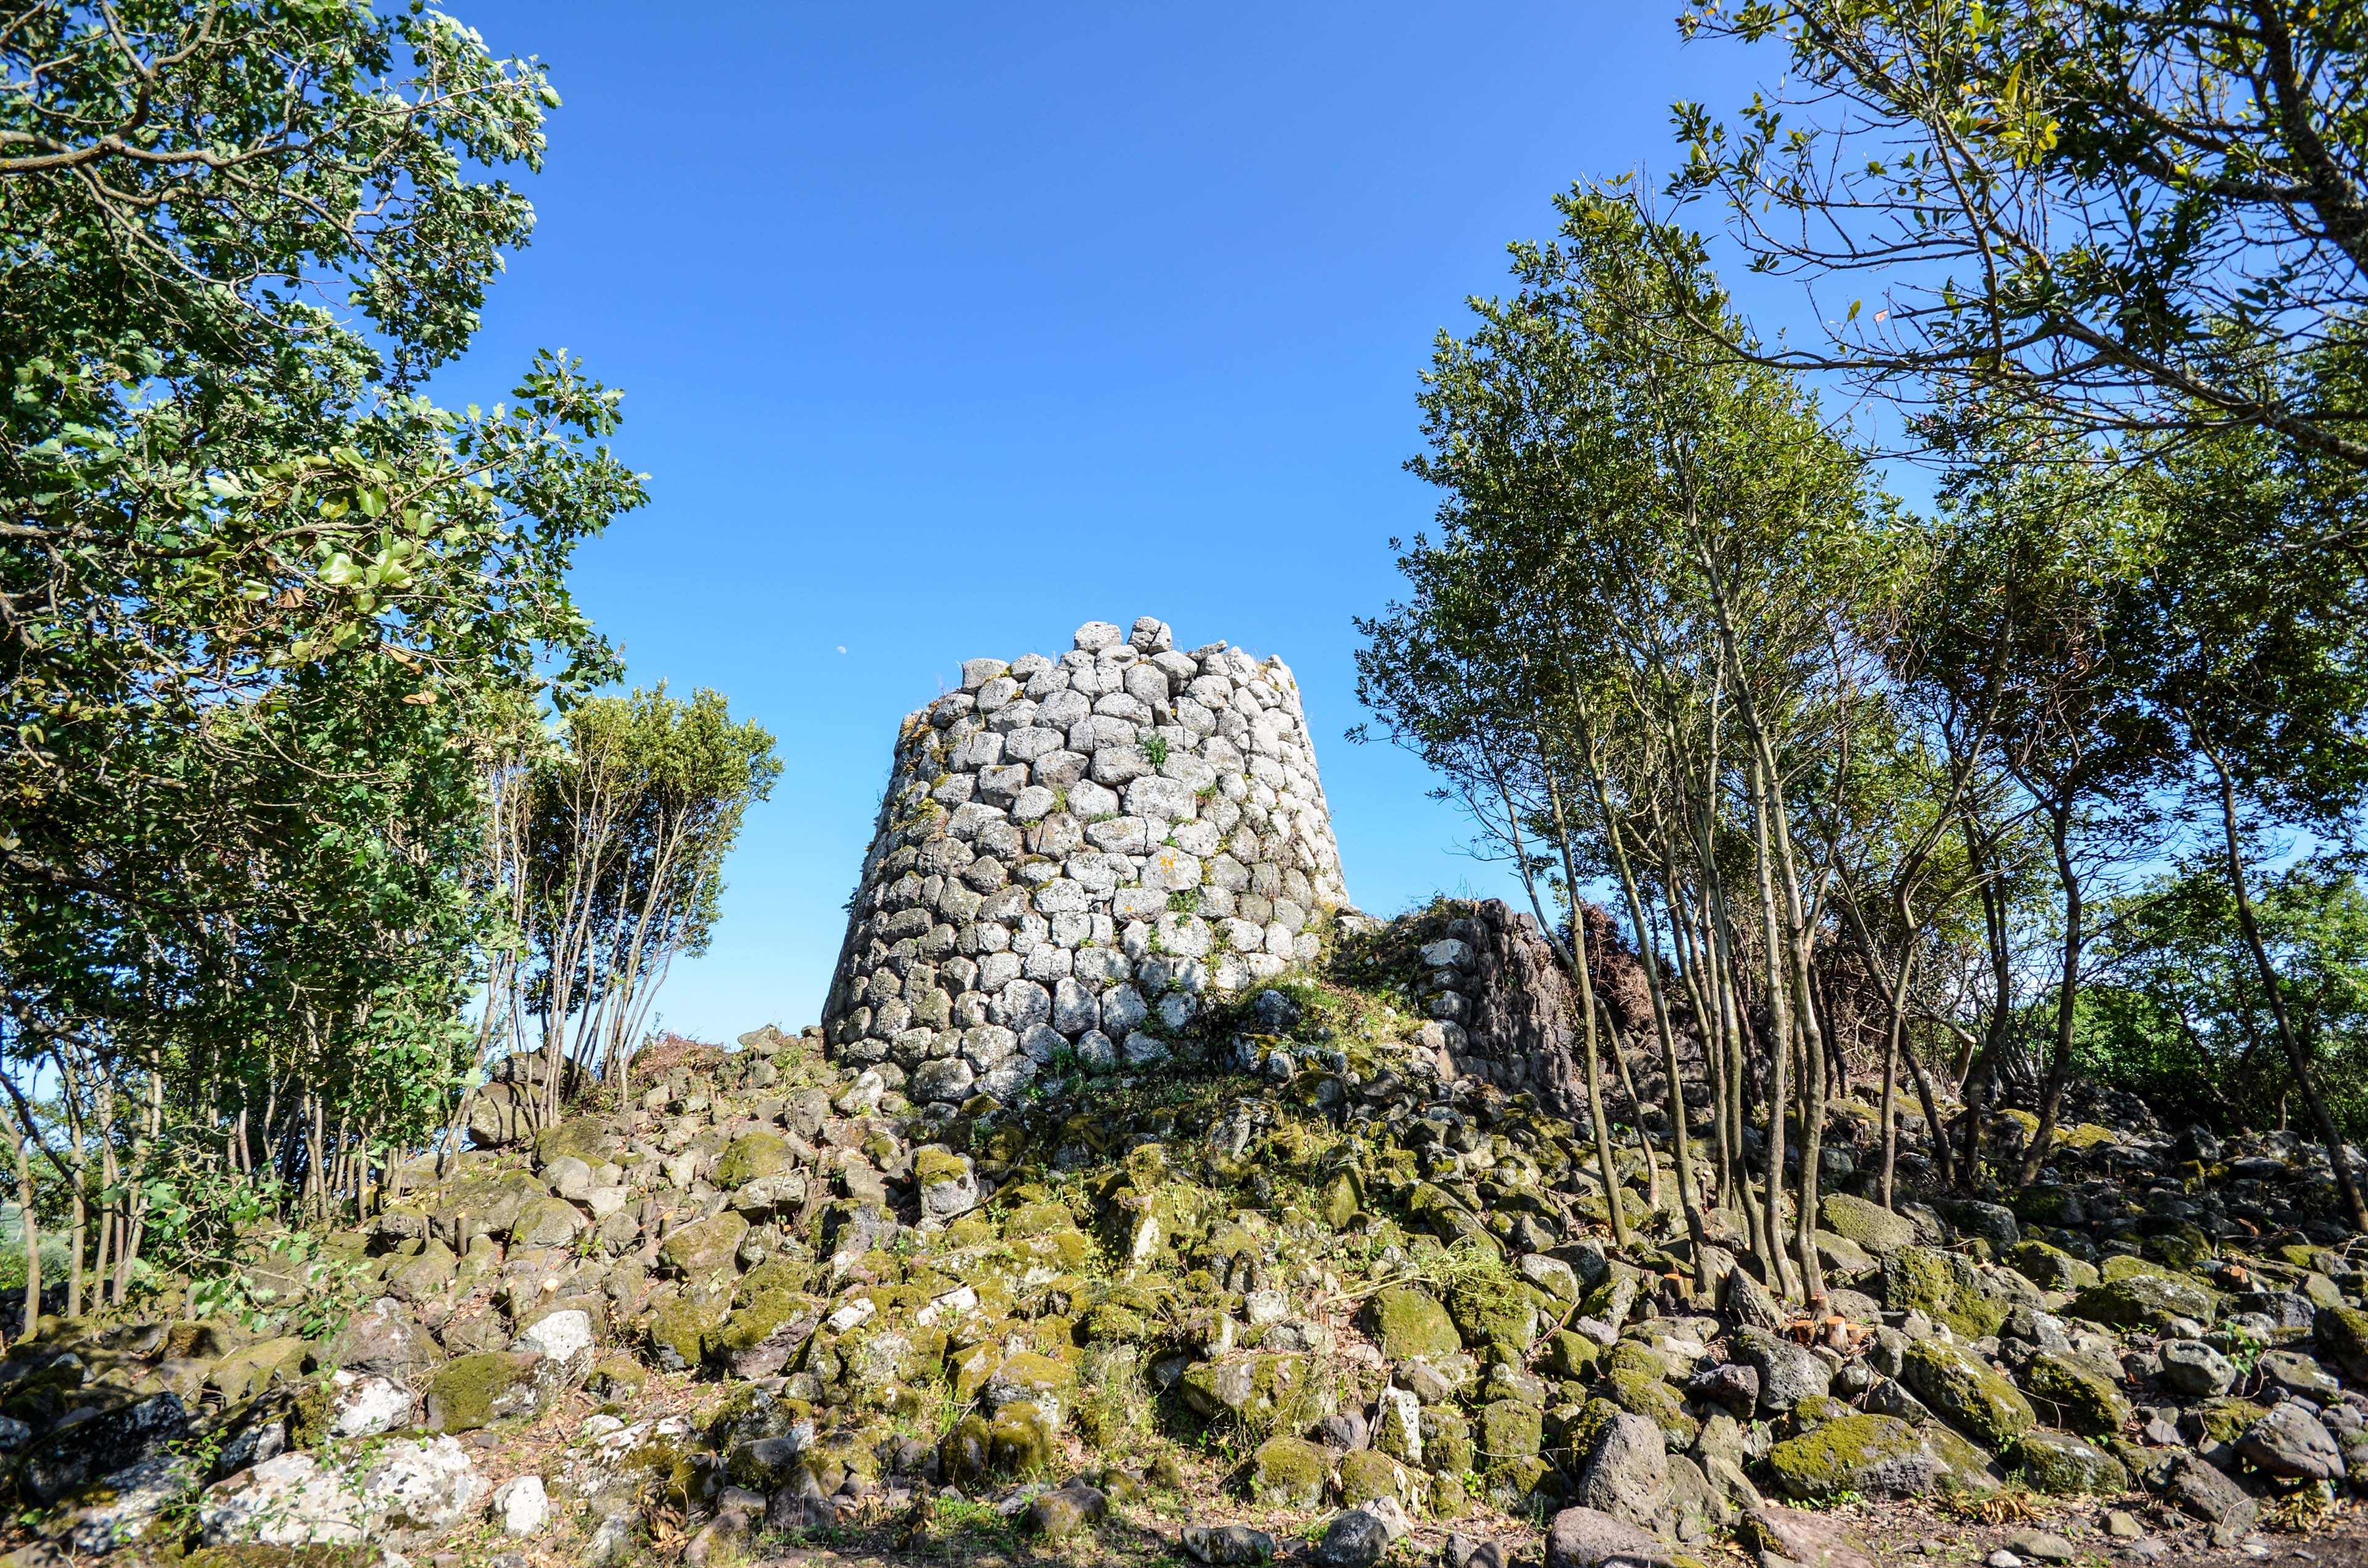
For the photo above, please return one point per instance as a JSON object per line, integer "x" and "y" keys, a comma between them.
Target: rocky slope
{"x": 1330, "y": 1281}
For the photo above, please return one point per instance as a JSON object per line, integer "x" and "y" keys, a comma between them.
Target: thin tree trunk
{"x": 2296, "y": 1059}
{"x": 2051, "y": 1098}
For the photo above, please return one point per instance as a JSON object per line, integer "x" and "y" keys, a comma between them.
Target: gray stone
{"x": 1788, "y": 1373}
{"x": 2194, "y": 1368}
{"x": 1628, "y": 1477}
{"x": 1355, "y": 1538}
{"x": 2290, "y": 1443}
{"x": 1096, "y": 635}
{"x": 1584, "y": 1538}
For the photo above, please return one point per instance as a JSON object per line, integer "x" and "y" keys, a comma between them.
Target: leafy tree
{"x": 2182, "y": 1013}
{"x": 257, "y": 597}
{"x": 2124, "y": 215}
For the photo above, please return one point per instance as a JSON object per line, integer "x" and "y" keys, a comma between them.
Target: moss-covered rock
{"x": 1571, "y": 1356}
{"x": 1020, "y": 1440}
{"x": 1494, "y": 1314}
{"x": 706, "y": 1248}
{"x": 545, "y": 1223}
{"x": 2050, "y": 1267}
{"x": 1366, "y": 1474}
{"x": 2223, "y": 1420}
{"x": 1510, "y": 1430}
{"x": 1871, "y": 1456}
{"x": 1967, "y": 1392}
{"x": 753, "y": 1156}
{"x": 2066, "y": 1465}
{"x": 1447, "y": 1447}
{"x": 2075, "y": 1396}
{"x": 585, "y": 1138}
{"x": 477, "y": 1390}
{"x": 1942, "y": 1287}
{"x": 1258, "y": 1391}
{"x": 2342, "y": 1334}
{"x": 1635, "y": 1379}
{"x": 1406, "y": 1321}
{"x": 2145, "y": 1299}
{"x": 1871, "y": 1225}
{"x": 759, "y": 1339}
{"x": 678, "y": 1333}
{"x": 1286, "y": 1472}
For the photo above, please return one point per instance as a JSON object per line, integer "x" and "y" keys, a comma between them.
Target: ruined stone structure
{"x": 1073, "y": 856}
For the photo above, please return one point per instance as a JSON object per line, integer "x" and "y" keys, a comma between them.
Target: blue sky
{"x": 945, "y": 328}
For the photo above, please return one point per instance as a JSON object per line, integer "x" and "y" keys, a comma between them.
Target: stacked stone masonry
{"x": 1075, "y": 856}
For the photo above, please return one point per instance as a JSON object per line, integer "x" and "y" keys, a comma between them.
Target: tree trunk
{"x": 2303, "y": 1079}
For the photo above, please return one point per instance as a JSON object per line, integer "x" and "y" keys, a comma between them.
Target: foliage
{"x": 2120, "y": 217}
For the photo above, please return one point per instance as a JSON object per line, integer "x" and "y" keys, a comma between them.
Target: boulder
{"x": 1628, "y": 1477}
{"x": 385, "y": 1339}
{"x": 477, "y": 1390}
{"x": 1871, "y": 1225}
{"x": 2145, "y": 1301}
{"x": 2291, "y": 1444}
{"x": 1788, "y": 1373}
{"x": 2064, "y": 1465}
{"x": 1584, "y": 1538}
{"x": 1944, "y": 1288}
{"x": 1873, "y": 1456}
{"x": 2190, "y": 1483}
{"x": 2194, "y": 1368}
{"x": 2342, "y": 1333}
{"x": 1071, "y": 1509}
{"x": 1355, "y": 1538}
{"x": 2074, "y": 1394}
{"x": 113, "y": 1440}
{"x": 706, "y": 1248}
{"x": 753, "y": 1156}
{"x": 1406, "y": 1321}
{"x": 1813, "y": 1540}
{"x": 1287, "y": 1472}
{"x": 1226, "y": 1545}
{"x": 1967, "y": 1392}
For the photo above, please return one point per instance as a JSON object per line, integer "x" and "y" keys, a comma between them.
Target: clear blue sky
{"x": 947, "y": 327}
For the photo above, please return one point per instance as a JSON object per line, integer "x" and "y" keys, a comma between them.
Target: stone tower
{"x": 1073, "y": 856}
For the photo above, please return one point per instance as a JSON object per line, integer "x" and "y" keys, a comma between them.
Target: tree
{"x": 257, "y": 596}
{"x": 1654, "y": 575}
{"x": 631, "y": 818}
{"x": 2121, "y": 215}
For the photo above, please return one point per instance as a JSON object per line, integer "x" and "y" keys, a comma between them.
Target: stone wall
{"x": 1073, "y": 856}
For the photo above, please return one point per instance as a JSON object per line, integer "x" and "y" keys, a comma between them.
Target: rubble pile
{"x": 1329, "y": 1291}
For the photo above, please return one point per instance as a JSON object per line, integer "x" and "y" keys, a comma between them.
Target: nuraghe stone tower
{"x": 1073, "y": 856}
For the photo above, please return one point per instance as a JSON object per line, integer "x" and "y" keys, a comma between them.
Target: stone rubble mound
{"x": 1325, "y": 1285}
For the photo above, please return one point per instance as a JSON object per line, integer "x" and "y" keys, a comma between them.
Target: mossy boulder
{"x": 2050, "y": 1267}
{"x": 753, "y": 1156}
{"x": 1571, "y": 1356}
{"x": 1871, "y": 1456}
{"x": 1871, "y": 1225}
{"x": 758, "y": 1340}
{"x": 2223, "y": 1420}
{"x": 1447, "y": 1442}
{"x": 585, "y": 1138}
{"x": 545, "y": 1223}
{"x": 1967, "y": 1392}
{"x": 2145, "y": 1301}
{"x": 477, "y": 1390}
{"x": 1287, "y": 1472}
{"x": 678, "y": 1333}
{"x": 1943, "y": 1287}
{"x": 1366, "y": 1475}
{"x": 705, "y": 1248}
{"x": 1258, "y": 1391}
{"x": 2065, "y": 1465}
{"x": 1020, "y": 1440}
{"x": 2342, "y": 1334}
{"x": 2076, "y": 1396}
{"x": 1045, "y": 1381}
{"x": 1635, "y": 1381}
{"x": 1406, "y": 1321}
{"x": 1510, "y": 1430}
{"x": 1494, "y": 1314}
